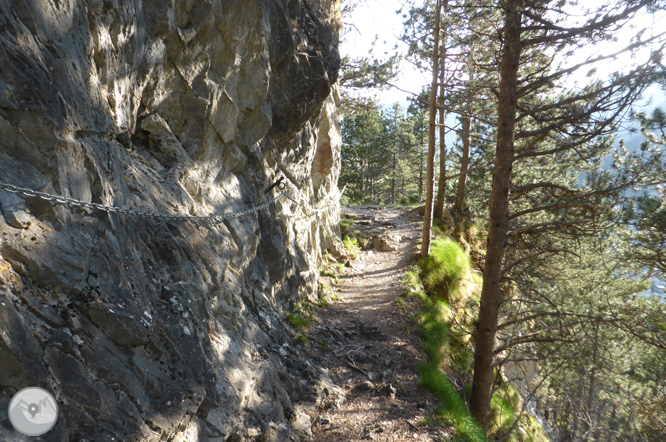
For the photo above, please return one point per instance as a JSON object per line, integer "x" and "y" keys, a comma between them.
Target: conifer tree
{"x": 430, "y": 179}
{"x": 541, "y": 121}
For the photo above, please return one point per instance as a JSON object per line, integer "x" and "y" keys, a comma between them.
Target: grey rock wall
{"x": 147, "y": 330}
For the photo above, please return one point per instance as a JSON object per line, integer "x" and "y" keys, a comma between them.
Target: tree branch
{"x": 546, "y": 226}
{"x": 594, "y": 26}
{"x": 552, "y": 206}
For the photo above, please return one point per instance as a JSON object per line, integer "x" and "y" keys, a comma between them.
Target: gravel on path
{"x": 370, "y": 344}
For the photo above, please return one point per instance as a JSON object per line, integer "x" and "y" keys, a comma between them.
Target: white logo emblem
{"x": 33, "y": 411}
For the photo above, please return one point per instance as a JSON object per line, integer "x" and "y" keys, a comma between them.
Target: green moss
{"x": 504, "y": 405}
{"x": 534, "y": 430}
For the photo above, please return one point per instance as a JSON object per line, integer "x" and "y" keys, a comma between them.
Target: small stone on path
{"x": 364, "y": 386}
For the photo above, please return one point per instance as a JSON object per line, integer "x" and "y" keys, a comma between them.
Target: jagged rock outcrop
{"x": 148, "y": 330}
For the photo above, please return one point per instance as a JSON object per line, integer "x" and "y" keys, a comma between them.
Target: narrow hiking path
{"x": 370, "y": 343}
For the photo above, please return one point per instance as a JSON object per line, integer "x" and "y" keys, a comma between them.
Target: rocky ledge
{"x": 147, "y": 329}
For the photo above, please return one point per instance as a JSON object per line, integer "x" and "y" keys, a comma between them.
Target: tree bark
{"x": 430, "y": 180}
{"x": 394, "y": 181}
{"x": 464, "y": 162}
{"x": 395, "y": 166}
{"x": 421, "y": 181}
{"x": 590, "y": 391}
{"x": 441, "y": 190}
{"x": 499, "y": 215}
{"x": 464, "y": 165}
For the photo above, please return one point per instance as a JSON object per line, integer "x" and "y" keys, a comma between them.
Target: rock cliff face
{"x": 145, "y": 329}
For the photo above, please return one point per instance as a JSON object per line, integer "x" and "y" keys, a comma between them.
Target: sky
{"x": 380, "y": 22}
{"x": 378, "y": 18}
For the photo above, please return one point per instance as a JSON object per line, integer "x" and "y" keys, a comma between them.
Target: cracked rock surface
{"x": 148, "y": 330}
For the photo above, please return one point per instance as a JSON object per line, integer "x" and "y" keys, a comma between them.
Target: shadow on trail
{"x": 371, "y": 348}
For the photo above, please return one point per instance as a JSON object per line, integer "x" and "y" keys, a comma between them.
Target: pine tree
{"x": 536, "y": 124}
{"x": 430, "y": 169}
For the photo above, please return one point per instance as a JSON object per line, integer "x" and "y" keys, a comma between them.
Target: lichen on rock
{"x": 146, "y": 329}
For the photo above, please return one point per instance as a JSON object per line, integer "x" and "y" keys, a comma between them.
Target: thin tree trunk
{"x": 362, "y": 180}
{"x": 577, "y": 410}
{"x": 395, "y": 166}
{"x": 441, "y": 190}
{"x": 430, "y": 180}
{"x": 499, "y": 216}
{"x": 421, "y": 179}
{"x": 590, "y": 392}
{"x": 464, "y": 165}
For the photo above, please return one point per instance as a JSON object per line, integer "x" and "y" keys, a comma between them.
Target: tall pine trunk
{"x": 499, "y": 216}
{"x": 421, "y": 171}
{"x": 393, "y": 182}
{"x": 464, "y": 165}
{"x": 464, "y": 162}
{"x": 430, "y": 180}
{"x": 590, "y": 392}
{"x": 441, "y": 190}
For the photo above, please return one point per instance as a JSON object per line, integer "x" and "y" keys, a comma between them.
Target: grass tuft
{"x": 449, "y": 303}
{"x": 434, "y": 324}
{"x": 445, "y": 268}
{"x": 351, "y": 246}
{"x": 299, "y": 321}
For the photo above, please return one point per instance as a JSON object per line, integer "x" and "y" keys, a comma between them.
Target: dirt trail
{"x": 371, "y": 345}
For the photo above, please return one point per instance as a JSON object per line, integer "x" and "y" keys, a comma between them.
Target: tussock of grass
{"x": 299, "y": 322}
{"x": 446, "y": 267}
{"x": 434, "y": 324}
{"x": 351, "y": 246}
{"x": 454, "y": 410}
{"x": 452, "y": 300}
{"x": 346, "y": 221}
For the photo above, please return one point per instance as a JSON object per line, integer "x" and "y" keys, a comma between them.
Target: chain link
{"x": 71, "y": 202}
{"x": 322, "y": 209}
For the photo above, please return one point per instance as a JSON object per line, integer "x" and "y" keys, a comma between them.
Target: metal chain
{"x": 71, "y": 202}
{"x": 322, "y": 209}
